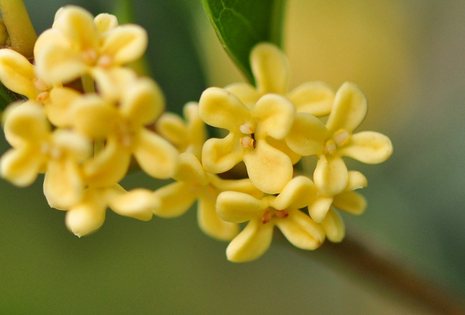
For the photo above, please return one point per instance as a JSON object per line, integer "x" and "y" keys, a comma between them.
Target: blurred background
{"x": 408, "y": 56}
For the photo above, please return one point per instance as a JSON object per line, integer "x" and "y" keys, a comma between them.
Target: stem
{"x": 19, "y": 27}
{"x": 379, "y": 265}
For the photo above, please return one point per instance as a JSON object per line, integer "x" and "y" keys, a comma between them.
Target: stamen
{"x": 247, "y": 129}
{"x": 105, "y": 61}
{"x": 40, "y": 85}
{"x": 341, "y": 137}
{"x": 330, "y": 146}
{"x": 42, "y": 97}
{"x": 89, "y": 56}
{"x": 281, "y": 214}
{"x": 247, "y": 142}
{"x": 267, "y": 216}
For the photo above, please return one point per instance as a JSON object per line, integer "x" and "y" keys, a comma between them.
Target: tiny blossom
{"x": 268, "y": 168}
{"x": 77, "y": 44}
{"x": 265, "y": 213}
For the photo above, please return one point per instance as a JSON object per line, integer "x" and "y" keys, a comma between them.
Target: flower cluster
{"x": 87, "y": 115}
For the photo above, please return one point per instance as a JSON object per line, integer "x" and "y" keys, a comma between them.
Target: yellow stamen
{"x": 341, "y": 137}
{"x": 247, "y": 129}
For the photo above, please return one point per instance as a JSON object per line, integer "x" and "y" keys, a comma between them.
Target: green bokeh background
{"x": 416, "y": 199}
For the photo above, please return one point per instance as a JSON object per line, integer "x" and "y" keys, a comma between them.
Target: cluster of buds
{"x": 87, "y": 117}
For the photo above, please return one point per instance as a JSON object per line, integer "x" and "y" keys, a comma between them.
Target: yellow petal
{"x": 269, "y": 169}
{"x": 356, "y": 181}
{"x": 190, "y": 170}
{"x": 368, "y": 147}
{"x": 274, "y": 115}
{"x": 94, "y": 117}
{"x": 21, "y": 166}
{"x": 71, "y": 144}
{"x": 270, "y": 68}
{"x": 307, "y": 135}
{"x": 124, "y": 44}
{"x": 297, "y": 193}
{"x": 251, "y": 243}
{"x": 282, "y": 146}
{"x": 175, "y": 199}
{"x": 17, "y": 73}
{"x": 112, "y": 83}
{"x": 314, "y": 98}
{"x": 211, "y": 224}
{"x": 319, "y": 208}
{"x": 300, "y": 230}
{"x": 349, "y": 109}
{"x": 156, "y": 156}
{"x": 331, "y": 175}
{"x": 246, "y": 93}
{"x": 63, "y": 186}
{"x": 350, "y": 202}
{"x": 220, "y": 108}
{"x": 59, "y": 107}
{"x": 137, "y": 203}
{"x": 333, "y": 226}
{"x": 172, "y": 128}
{"x": 238, "y": 207}
{"x": 105, "y": 22}
{"x": 220, "y": 155}
{"x": 109, "y": 166}
{"x": 241, "y": 185}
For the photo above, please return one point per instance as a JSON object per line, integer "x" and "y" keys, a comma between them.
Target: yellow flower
{"x": 36, "y": 149}
{"x": 268, "y": 168}
{"x": 349, "y": 110}
{"x": 88, "y": 214}
{"x": 121, "y": 124}
{"x": 263, "y": 214}
{"x": 193, "y": 183}
{"x": 77, "y": 43}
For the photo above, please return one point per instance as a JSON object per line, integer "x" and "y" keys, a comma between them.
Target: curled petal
{"x": 220, "y": 155}
{"x": 270, "y": 68}
{"x": 314, "y": 98}
{"x": 331, "y": 175}
{"x": 269, "y": 169}
{"x": 251, "y": 243}
{"x": 211, "y": 224}
{"x": 350, "y": 202}
{"x": 307, "y": 135}
{"x": 238, "y": 207}
{"x": 175, "y": 199}
{"x": 21, "y": 166}
{"x": 319, "y": 208}
{"x": 156, "y": 156}
{"x": 356, "y": 181}
{"x": 368, "y": 147}
{"x": 274, "y": 115}
{"x": 138, "y": 203}
{"x": 190, "y": 170}
{"x": 241, "y": 185}
{"x": 349, "y": 109}
{"x": 63, "y": 185}
{"x": 17, "y": 73}
{"x": 333, "y": 226}
{"x": 300, "y": 230}
{"x": 56, "y": 65}
{"x": 105, "y": 22}
{"x": 124, "y": 44}
{"x": 220, "y": 108}
{"x": 298, "y": 193}
{"x": 171, "y": 127}
{"x": 245, "y": 92}
{"x": 94, "y": 117}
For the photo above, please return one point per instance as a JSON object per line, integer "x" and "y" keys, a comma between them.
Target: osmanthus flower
{"x": 271, "y": 116}
{"x": 38, "y": 149}
{"x": 88, "y": 214}
{"x": 264, "y": 214}
{"x": 193, "y": 183}
{"x": 78, "y": 43}
{"x": 349, "y": 109}
{"x": 119, "y": 126}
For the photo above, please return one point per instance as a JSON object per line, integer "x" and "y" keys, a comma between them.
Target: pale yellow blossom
{"x": 265, "y": 213}
{"x": 268, "y": 168}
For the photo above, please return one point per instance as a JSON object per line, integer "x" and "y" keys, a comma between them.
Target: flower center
{"x": 52, "y": 151}
{"x": 248, "y": 141}
{"x": 273, "y": 213}
{"x": 340, "y": 138}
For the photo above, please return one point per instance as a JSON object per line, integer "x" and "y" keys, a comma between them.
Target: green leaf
{"x": 241, "y": 24}
{"x": 7, "y": 97}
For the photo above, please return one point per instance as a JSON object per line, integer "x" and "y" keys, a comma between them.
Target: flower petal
{"x": 94, "y": 117}
{"x": 282, "y": 146}
{"x": 314, "y": 98}
{"x": 138, "y": 203}
{"x": 238, "y": 207}
{"x": 220, "y": 155}
{"x": 368, "y": 147}
{"x": 21, "y": 166}
{"x": 331, "y": 175}
{"x": 274, "y": 115}
{"x": 17, "y": 73}
{"x": 269, "y": 169}
{"x": 356, "y": 181}
{"x": 124, "y": 44}
{"x": 333, "y": 226}
{"x": 246, "y": 93}
{"x": 307, "y": 135}
{"x": 156, "y": 156}
{"x": 349, "y": 109}
{"x": 190, "y": 170}
{"x": 211, "y": 224}
{"x": 319, "y": 208}
{"x": 350, "y": 202}
{"x": 171, "y": 203}
{"x": 59, "y": 109}
{"x": 105, "y": 22}
{"x": 270, "y": 68}
{"x": 297, "y": 193}
{"x": 220, "y": 108}
{"x": 171, "y": 127}
{"x": 251, "y": 243}
{"x": 300, "y": 230}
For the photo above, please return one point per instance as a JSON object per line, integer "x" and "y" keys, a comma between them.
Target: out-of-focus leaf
{"x": 7, "y": 97}
{"x": 241, "y": 24}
